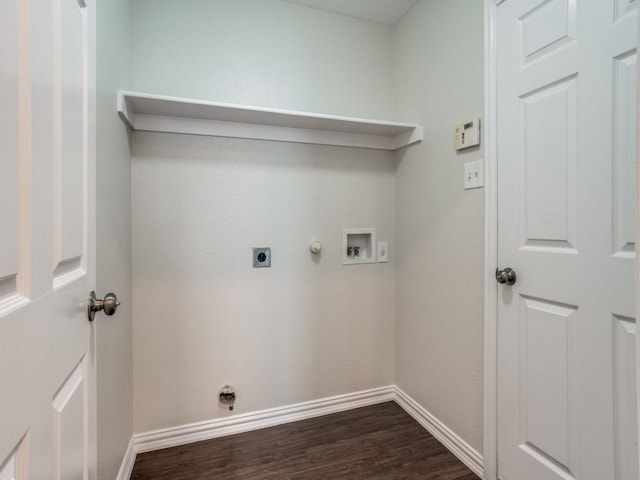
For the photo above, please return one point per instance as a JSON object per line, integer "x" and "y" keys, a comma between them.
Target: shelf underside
{"x": 157, "y": 113}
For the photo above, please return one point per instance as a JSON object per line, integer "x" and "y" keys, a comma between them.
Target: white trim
{"x": 456, "y": 445}
{"x": 195, "y": 432}
{"x": 127, "y": 463}
{"x": 637, "y": 263}
{"x": 13, "y": 303}
{"x": 159, "y": 113}
{"x": 491, "y": 244}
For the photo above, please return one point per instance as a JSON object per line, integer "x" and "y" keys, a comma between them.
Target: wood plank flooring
{"x": 373, "y": 443}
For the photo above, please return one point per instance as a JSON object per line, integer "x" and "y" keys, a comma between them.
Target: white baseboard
{"x": 456, "y": 445}
{"x": 127, "y": 463}
{"x": 195, "y": 432}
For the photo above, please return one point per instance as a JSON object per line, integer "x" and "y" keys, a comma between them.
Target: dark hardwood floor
{"x": 372, "y": 443}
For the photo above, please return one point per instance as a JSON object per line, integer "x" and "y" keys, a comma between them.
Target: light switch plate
{"x": 473, "y": 174}
{"x": 383, "y": 252}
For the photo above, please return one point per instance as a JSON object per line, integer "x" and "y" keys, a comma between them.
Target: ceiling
{"x": 387, "y": 12}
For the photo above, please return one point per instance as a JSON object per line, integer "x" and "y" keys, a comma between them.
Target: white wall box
{"x": 157, "y": 113}
{"x": 358, "y": 245}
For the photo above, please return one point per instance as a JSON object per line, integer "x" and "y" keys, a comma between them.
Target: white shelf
{"x": 157, "y": 113}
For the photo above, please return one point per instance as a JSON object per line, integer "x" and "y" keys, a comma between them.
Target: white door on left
{"x": 47, "y": 244}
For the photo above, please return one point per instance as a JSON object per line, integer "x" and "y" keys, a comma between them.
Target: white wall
{"x": 438, "y": 82}
{"x": 113, "y": 195}
{"x": 303, "y": 329}
{"x": 267, "y": 53}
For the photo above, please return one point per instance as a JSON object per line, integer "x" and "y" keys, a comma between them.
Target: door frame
{"x": 490, "y": 440}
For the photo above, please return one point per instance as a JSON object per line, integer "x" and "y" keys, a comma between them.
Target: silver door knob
{"x": 506, "y": 276}
{"x": 109, "y": 304}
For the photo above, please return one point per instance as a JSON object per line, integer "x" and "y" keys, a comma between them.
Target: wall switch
{"x": 473, "y": 174}
{"x": 383, "y": 252}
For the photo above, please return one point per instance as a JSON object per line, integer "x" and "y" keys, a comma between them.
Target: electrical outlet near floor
{"x": 473, "y": 174}
{"x": 261, "y": 257}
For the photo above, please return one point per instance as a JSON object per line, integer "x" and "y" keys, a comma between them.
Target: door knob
{"x": 507, "y": 275}
{"x": 109, "y": 304}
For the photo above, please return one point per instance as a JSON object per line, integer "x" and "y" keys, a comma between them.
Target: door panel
{"x": 566, "y": 223}
{"x": 624, "y": 7}
{"x": 47, "y": 204}
{"x": 70, "y": 132}
{"x": 8, "y": 471}
{"x": 70, "y": 406}
{"x": 549, "y": 170}
{"x": 15, "y": 467}
{"x": 624, "y": 148}
{"x": 548, "y": 364}
{"x": 12, "y": 188}
{"x": 549, "y": 26}
{"x": 625, "y": 397}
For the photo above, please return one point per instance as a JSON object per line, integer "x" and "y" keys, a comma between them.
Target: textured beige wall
{"x": 304, "y": 329}
{"x": 113, "y": 195}
{"x": 438, "y": 82}
{"x": 308, "y": 327}
{"x": 267, "y": 53}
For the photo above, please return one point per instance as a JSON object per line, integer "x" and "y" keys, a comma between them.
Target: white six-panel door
{"x": 47, "y": 413}
{"x": 566, "y": 83}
